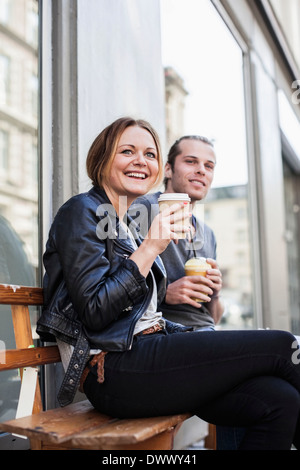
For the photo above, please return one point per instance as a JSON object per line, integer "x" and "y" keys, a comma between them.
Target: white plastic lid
{"x": 174, "y": 197}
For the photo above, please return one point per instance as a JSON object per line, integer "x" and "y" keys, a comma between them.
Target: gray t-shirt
{"x": 174, "y": 259}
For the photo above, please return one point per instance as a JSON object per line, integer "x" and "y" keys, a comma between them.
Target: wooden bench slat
{"x": 20, "y": 295}
{"x": 127, "y": 431}
{"x": 58, "y": 425}
{"x": 18, "y": 358}
{"x": 163, "y": 441}
{"x": 86, "y": 427}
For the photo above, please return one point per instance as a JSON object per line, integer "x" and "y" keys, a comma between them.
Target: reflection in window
{"x": 18, "y": 167}
{"x": 206, "y": 97}
{"x": 32, "y": 23}
{"x": 18, "y": 122}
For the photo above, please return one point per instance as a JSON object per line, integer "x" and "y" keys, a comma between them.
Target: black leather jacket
{"x": 93, "y": 294}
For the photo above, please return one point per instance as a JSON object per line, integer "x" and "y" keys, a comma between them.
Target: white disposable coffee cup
{"x": 169, "y": 199}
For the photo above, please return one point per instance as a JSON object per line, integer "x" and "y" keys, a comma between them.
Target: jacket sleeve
{"x": 99, "y": 293}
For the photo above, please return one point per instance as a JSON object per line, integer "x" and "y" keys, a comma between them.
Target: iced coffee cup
{"x": 169, "y": 199}
{"x": 196, "y": 267}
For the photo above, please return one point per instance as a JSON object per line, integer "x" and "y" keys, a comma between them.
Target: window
{"x": 32, "y": 94}
{"x": 19, "y": 196}
{"x": 241, "y": 236}
{"x": 292, "y": 233}
{"x": 288, "y": 16}
{"x": 5, "y": 11}
{"x": 32, "y": 23}
{"x": 3, "y": 152}
{"x": 208, "y": 99}
{"x": 4, "y": 79}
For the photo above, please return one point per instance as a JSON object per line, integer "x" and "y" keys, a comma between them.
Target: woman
{"x": 102, "y": 287}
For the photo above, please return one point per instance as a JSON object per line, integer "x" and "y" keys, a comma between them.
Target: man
{"x": 190, "y": 169}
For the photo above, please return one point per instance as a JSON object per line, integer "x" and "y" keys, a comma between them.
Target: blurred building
{"x": 174, "y": 105}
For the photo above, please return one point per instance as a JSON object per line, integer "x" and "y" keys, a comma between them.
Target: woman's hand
{"x": 164, "y": 227}
{"x": 162, "y": 231}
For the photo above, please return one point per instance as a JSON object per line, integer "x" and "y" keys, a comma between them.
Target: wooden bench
{"x": 79, "y": 425}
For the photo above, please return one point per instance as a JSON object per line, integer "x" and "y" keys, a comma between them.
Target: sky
{"x": 199, "y": 46}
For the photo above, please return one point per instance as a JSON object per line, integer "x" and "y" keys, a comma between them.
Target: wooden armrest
{"x": 21, "y": 295}
{"x": 17, "y": 358}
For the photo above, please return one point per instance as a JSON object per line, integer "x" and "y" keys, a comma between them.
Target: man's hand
{"x": 206, "y": 288}
{"x": 216, "y": 306}
{"x": 215, "y": 276}
{"x": 186, "y": 288}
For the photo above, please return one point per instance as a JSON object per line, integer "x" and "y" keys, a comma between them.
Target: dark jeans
{"x": 229, "y": 438}
{"x": 232, "y": 378}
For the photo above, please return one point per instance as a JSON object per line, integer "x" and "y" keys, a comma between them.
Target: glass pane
{"x": 292, "y": 236}
{"x": 18, "y": 167}
{"x": 288, "y": 16}
{"x": 205, "y": 96}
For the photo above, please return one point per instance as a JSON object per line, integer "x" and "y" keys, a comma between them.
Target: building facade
{"x": 67, "y": 70}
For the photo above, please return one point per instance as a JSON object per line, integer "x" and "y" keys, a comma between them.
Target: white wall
{"x": 119, "y": 68}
